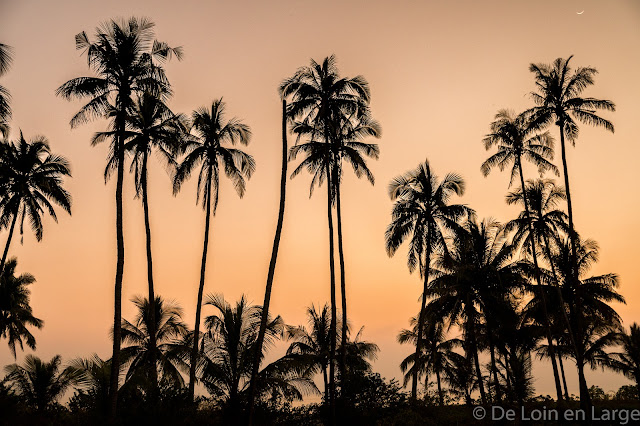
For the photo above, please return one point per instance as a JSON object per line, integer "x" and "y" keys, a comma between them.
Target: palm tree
{"x": 150, "y": 126}
{"x": 96, "y": 374}
{"x": 272, "y": 265}
{"x": 169, "y": 349}
{"x": 458, "y": 374}
{"x": 33, "y": 181}
{"x": 15, "y": 311}
{"x": 205, "y": 148}
{"x": 229, "y": 347}
{"x": 519, "y": 138}
{"x": 422, "y": 213}
{"x": 122, "y": 57}
{"x": 5, "y": 109}
{"x": 39, "y": 383}
{"x": 628, "y": 361}
{"x": 558, "y": 100}
{"x": 320, "y": 99}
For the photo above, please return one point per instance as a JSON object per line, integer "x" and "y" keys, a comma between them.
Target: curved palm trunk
{"x": 332, "y": 330}
{"x": 152, "y": 297}
{"x": 494, "y": 369}
{"x": 117, "y": 316}
{"x": 196, "y": 330}
{"x": 585, "y": 400}
{"x": 564, "y": 379}
{"x": 421, "y": 319}
{"x": 343, "y": 288}
{"x": 474, "y": 351}
{"x": 543, "y": 298}
{"x": 6, "y": 247}
{"x": 272, "y": 267}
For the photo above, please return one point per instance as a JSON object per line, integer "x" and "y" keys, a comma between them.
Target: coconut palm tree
{"x": 206, "y": 148}
{"x": 421, "y": 214}
{"x": 628, "y": 361}
{"x": 15, "y": 311}
{"x": 122, "y": 58}
{"x": 32, "y": 185}
{"x": 39, "y": 383}
{"x": 5, "y": 109}
{"x": 151, "y": 126}
{"x": 169, "y": 350}
{"x": 320, "y": 99}
{"x": 458, "y": 374}
{"x": 272, "y": 264}
{"x": 518, "y": 138}
{"x": 558, "y": 101}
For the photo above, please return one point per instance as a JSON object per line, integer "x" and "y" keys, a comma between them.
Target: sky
{"x": 438, "y": 72}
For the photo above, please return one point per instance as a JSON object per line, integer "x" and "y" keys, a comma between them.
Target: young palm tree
{"x": 39, "y": 383}
{"x": 96, "y": 374}
{"x": 32, "y": 182}
{"x": 169, "y": 350}
{"x": 458, "y": 374}
{"x": 558, "y": 101}
{"x": 5, "y": 109}
{"x": 15, "y": 311}
{"x": 519, "y": 138}
{"x": 150, "y": 126}
{"x": 320, "y": 99}
{"x": 422, "y": 213}
{"x": 205, "y": 148}
{"x": 122, "y": 57}
{"x": 628, "y": 361}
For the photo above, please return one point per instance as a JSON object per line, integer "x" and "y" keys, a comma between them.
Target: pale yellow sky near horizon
{"x": 438, "y": 72}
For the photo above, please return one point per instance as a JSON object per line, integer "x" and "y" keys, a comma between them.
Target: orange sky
{"x": 438, "y": 74}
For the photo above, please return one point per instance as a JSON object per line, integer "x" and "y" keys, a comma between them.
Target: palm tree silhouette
{"x": 204, "y": 148}
{"x": 421, "y": 213}
{"x": 32, "y": 182}
{"x": 15, "y": 311}
{"x": 122, "y": 57}
{"x": 96, "y": 375}
{"x": 5, "y": 97}
{"x": 558, "y": 100}
{"x": 519, "y": 138}
{"x": 150, "y": 126}
{"x": 39, "y": 383}
{"x": 628, "y": 361}
{"x": 320, "y": 99}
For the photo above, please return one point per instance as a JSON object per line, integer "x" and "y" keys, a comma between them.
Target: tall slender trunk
{"x": 326, "y": 383}
{"x": 6, "y": 247}
{"x": 272, "y": 267}
{"x": 585, "y": 400}
{"x": 543, "y": 297}
{"x": 332, "y": 331}
{"x": 117, "y": 315}
{"x": 440, "y": 393}
{"x": 564, "y": 378}
{"x": 153, "y": 359}
{"x": 474, "y": 351}
{"x": 421, "y": 319}
{"x": 196, "y": 330}
{"x": 494, "y": 370}
{"x": 343, "y": 288}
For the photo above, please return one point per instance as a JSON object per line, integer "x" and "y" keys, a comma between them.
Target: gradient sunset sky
{"x": 438, "y": 71}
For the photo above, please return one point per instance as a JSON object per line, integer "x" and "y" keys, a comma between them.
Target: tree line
{"x": 515, "y": 290}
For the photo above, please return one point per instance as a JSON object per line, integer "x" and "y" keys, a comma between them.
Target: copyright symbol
{"x": 479, "y": 413}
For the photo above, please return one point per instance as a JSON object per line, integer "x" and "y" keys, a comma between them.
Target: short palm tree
{"x": 96, "y": 374}
{"x": 15, "y": 311}
{"x": 122, "y": 57}
{"x": 169, "y": 350}
{"x": 33, "y": 184}
{"x": 207, "y": 148}
{"x": 519, "y": 138}
{"x": 558, "y": 101}
{"x": 5, "y": 109}
{"x": 422, "y": 214}
{"x": 39, "y": 383}
{"x": 459, "y": 375}
{"x": 628, "y": 360}
{"x": 320, "y": 99}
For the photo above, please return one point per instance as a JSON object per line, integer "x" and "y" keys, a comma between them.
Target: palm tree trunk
{"x": 332, "y": 331}
{"x": 272, "y": 267}
{"x": 343, "y": 288}
{"x": 474, "y": 352}
{"x": 543, "y": 297}
{"x": 6, "y": 247}
{"x": 421, "y": 319}
{"x": 117, "y": 315}
{"x": 494, "y": 369}
{"x": 440, "y": 394}
{"x": 585, "y": 400}
{"x": 153, "y": 361}
{"x": 564, "y": 379}
{"x": 196, "y": 330}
